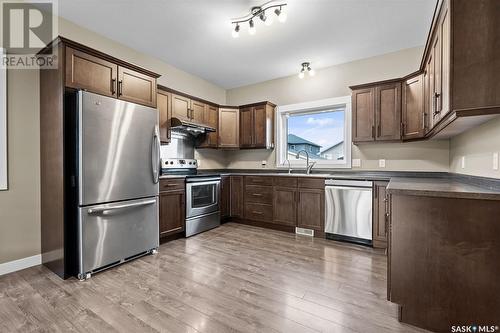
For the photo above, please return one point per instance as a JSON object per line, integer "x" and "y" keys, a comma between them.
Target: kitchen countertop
{"x": 438, "y": 184}
{"x": 451, "y": 187}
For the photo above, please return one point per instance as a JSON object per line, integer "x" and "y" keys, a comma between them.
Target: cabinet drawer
{"x": 258, "y": 180}
{"x": 259, "y": 212}
{"x": 285, "y": 181}
{"x": 174, "y": 184}
{"x": 312, "y": 183}
{"x": 259, "y": 194}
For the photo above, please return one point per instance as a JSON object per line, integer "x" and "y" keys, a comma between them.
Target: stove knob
{"x": 190, "y": 163}
{"x": 171, "y": 162}
{"x": 182, "y": 162}
{"x": 194, "y": 163}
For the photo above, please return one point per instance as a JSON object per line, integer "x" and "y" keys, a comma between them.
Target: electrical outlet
{"x": 462, "y": 162}
{"x": 381, "y": 163}
{"x": 356, "y": 162}
{"x": 495, "y": 161}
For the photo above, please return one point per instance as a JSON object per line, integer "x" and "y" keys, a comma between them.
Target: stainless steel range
{"x": 202, "y": 194}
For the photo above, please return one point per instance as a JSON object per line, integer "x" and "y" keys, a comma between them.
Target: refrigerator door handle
{"x": 102, "y": 210}
{"x": 155, "y": 155}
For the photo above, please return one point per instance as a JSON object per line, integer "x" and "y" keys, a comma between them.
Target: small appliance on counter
{"x": 348, "y": 205}
{"x": 202, "y": 190}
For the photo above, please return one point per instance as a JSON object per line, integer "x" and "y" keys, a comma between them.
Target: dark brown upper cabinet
{"x": 97, "y": 72}
{"x": 197, "y": 112}
{"x": 136, "y": 87}
{"x": 413, "y": 115}
{"x": 85, "y": 71}
{"x": 377, "y": 113}
{"x": 181, "y": 107}
{"x": 164, "y": 102}
{"x": 257, "y": 125}
{"x": 229, "y": 129}
{"x": 210, "y": 118}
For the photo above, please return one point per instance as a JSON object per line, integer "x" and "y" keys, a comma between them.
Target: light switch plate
{"x": 381, "y": 163}
{"x": 495, "y": 161}
{"x": 462, "y": 162}
{"x": 356, "y": 162}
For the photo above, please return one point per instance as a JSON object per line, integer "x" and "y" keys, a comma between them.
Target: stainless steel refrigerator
{"x": 114, "y": 173}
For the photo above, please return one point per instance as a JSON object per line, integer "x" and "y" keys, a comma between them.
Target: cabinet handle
{"x": 379, "y": 130}
{"x": 113, "y": 89}
{"x": 373, "y": 131}
{"x": 435, "y": 99}
{"x": 256, "y": 194}
{"x": 257, "y": 212}
{"x": 423, "y": 121}
{"x": 120, "y": 88}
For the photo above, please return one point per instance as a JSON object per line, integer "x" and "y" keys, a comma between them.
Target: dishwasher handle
{"x": 349, "y": 183}
{"x": 350, "y": 188}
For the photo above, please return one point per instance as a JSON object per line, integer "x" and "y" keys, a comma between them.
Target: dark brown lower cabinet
{"x": 236, "y": 193}
{"x": 285, "y": 206}
{"x": 172, "y": 212}
{"x": 225, "y": 196}
{"x": 380, "y": 215}
{"x": 311, "y": 209}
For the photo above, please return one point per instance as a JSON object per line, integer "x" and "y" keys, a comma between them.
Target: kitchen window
{"x": 321, "y": 128}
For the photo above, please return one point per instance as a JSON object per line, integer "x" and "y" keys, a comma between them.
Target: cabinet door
{"x": 246, "y": 127}
{"x": 436, "y": 58}
{"x": 225, "y": 196}
{"x": 413, "y": 108}
{"x": 311, "y": 209}
{"x": 197, "y": 112}
{"x": 236, "y": 196}
{"x": 181, "y": 107}
{"x": 136, "y": 87}
{"x": 229, "y": 125}
{"x": 260, "y": 124}
{"x": 164, "y": 100}
{"x": 363, "y": 113}
{"x": 285, "y": 206}
{"x": 210, "y": 118}
{"x": 445, "y": 61}
{"x": 172, "y": 212}
{"x": 84, "y": 71}
{"x": 379, "y": 215}
{"x": 388, "y": 111}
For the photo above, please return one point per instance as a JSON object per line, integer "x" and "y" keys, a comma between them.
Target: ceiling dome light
{"x": 306, "y": 67}
{"x": 236, "y": 31}
{"x": 252, "y": 29}
{"x": 281, "y": 14}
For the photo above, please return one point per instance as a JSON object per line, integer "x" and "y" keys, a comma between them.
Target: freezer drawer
{"x": 110, "y": 233}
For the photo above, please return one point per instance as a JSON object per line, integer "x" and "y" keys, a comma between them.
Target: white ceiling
{"x": 195, "y": 35}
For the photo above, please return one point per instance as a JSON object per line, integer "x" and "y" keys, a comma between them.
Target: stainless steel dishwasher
{"x": 348, "y": 215}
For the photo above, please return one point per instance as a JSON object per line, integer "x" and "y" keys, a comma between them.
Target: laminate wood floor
{"x": 235, "y": 278}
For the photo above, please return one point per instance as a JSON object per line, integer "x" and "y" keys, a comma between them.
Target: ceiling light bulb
{"x": 311, "y": 72}
{"x": 301, "y": 75}
{"x": 236, "y": 31}
{"x": 252, "y": 29}
{"x": 281, "y": 16}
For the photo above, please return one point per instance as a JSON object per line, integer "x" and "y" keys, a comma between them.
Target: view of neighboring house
{"x": 296, "y": 144}
{"x": 335, "y": 152}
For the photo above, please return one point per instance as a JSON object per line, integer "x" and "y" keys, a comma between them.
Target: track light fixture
{"x": 306, "y": 67}
{"x": 260, "y": 12}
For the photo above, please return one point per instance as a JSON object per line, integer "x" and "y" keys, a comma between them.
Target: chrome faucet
{"x": 308, "y": 166}
{"x": 289, "y": 165}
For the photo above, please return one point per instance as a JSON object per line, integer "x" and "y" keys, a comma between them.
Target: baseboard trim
{"x": 17, "y": 265}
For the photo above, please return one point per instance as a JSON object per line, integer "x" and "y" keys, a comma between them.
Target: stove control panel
{"x": 179, "y": 163}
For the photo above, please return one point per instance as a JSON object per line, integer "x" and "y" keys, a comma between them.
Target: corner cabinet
{"x": 257, "y": 125}
{"x": 229, "y": 129}
{"x": 210, "y": 118}
{"x": 376, "y": 112}
{"x": 455, "y": 88}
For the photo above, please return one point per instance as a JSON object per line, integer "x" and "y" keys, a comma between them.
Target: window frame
{"x": 325, "y": 105}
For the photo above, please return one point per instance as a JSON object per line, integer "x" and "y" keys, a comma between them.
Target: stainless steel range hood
{"x": 190, "y": 128}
